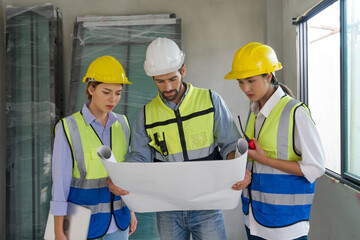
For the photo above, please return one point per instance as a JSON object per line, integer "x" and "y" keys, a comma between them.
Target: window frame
{"x": 344, "y": 98}
{"x": 301, "y": 23}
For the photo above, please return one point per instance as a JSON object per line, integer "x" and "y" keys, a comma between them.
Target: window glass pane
{"x": 324, "y": 80}
{"x": 352, "y": 70}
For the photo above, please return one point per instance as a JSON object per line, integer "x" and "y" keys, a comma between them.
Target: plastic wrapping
{"x": 33, "y": 66}
{"x": 126, "y": 38}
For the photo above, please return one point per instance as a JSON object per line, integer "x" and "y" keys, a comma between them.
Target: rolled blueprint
{"x": 105, "y": 153}
{"x": 241, "y": 147}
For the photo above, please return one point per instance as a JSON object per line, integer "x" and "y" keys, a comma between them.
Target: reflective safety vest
{"x": 89, "y": 177}
{"x": 183, "y": 134}
{"x": 278, "y": 199}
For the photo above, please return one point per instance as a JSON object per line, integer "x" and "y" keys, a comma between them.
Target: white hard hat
{"x": 163, "y": 56}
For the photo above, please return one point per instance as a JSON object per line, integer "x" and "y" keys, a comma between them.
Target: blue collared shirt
{"x": 225, "y": 131}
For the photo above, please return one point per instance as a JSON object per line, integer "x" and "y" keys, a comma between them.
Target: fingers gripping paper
{"x": 172, "y": 186}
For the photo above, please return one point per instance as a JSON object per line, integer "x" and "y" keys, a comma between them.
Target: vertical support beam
{"x": 2, "y": 127}
{"x": 274, "y": 32}
{"x": 303, "y": 60}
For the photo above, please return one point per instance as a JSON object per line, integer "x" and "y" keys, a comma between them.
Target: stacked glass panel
{"x": 126, "y": 38}
{"x": 33, "y": 63}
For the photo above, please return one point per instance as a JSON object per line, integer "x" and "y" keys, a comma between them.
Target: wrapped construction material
{"x": 33, "y": 102}
{"x": 126, "y": 38}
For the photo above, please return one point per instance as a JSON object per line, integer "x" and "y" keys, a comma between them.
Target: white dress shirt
{"x": 308, "y": 144}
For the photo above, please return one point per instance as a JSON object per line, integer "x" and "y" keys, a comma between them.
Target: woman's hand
{"x": 133, "y": 223}
{"x": 116, "y": 190}
{"x": 60, "y": 236}
{"x": 244, "y": 183}
{"x": 258, "y": 154}
{"x": 58, "y": 228}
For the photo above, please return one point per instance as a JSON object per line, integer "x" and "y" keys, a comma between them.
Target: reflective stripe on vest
{"x": 184, "y": 134}
{"x": 105, "y": 207}
{"x": 89, "y": 181}
{"x": 277, "y": 198}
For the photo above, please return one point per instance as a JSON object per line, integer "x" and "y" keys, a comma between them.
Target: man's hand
{"x": 231, "y": 155}
{"x": 116, "y": 190}
{"x": 243, "y": 184}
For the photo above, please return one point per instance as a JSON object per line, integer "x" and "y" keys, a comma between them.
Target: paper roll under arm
{"x": 105, "y": 153}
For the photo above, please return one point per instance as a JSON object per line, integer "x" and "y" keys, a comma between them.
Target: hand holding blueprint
{"x": 168, "y": 186}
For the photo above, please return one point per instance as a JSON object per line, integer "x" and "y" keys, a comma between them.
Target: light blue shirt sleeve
{"x": 61, "y": 173}
{"x": 225, "y": 130}
{"x": 140, "y": 150}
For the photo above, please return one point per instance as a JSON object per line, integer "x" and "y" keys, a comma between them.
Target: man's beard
{"x": 177, "y": 92}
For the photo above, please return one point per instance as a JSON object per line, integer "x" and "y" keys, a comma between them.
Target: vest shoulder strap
{"x": 125, "y": 126}
{"x": 73, "y": 133}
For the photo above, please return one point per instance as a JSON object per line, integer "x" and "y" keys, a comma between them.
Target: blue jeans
{"x": 179, "y": 225}
{"x": 252, "y": 237}
{"x": 118, "y": 235}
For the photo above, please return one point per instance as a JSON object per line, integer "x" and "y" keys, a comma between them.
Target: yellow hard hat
{"x": 106, "y": 69}
{"x": 253, "y": 59}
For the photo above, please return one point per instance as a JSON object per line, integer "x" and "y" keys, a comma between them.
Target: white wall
{"x": 336, "y": 211}
{"x": 274, "y": 31}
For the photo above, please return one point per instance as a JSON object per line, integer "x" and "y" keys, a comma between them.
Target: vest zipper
{"x": 182, "y": 135}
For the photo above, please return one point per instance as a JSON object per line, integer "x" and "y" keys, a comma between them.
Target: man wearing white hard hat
{"x": 183, "y": 123}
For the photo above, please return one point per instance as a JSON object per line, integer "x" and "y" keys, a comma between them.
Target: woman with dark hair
{"x": 288, "y": 155}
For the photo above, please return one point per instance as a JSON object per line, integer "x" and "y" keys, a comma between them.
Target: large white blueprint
{"x": 166, "y": 186}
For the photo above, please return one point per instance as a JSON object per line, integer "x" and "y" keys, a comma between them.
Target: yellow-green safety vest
{"x": 183, "y": 134}
{"x": 89, "y": 177}
{"x": 278, "y": 199}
